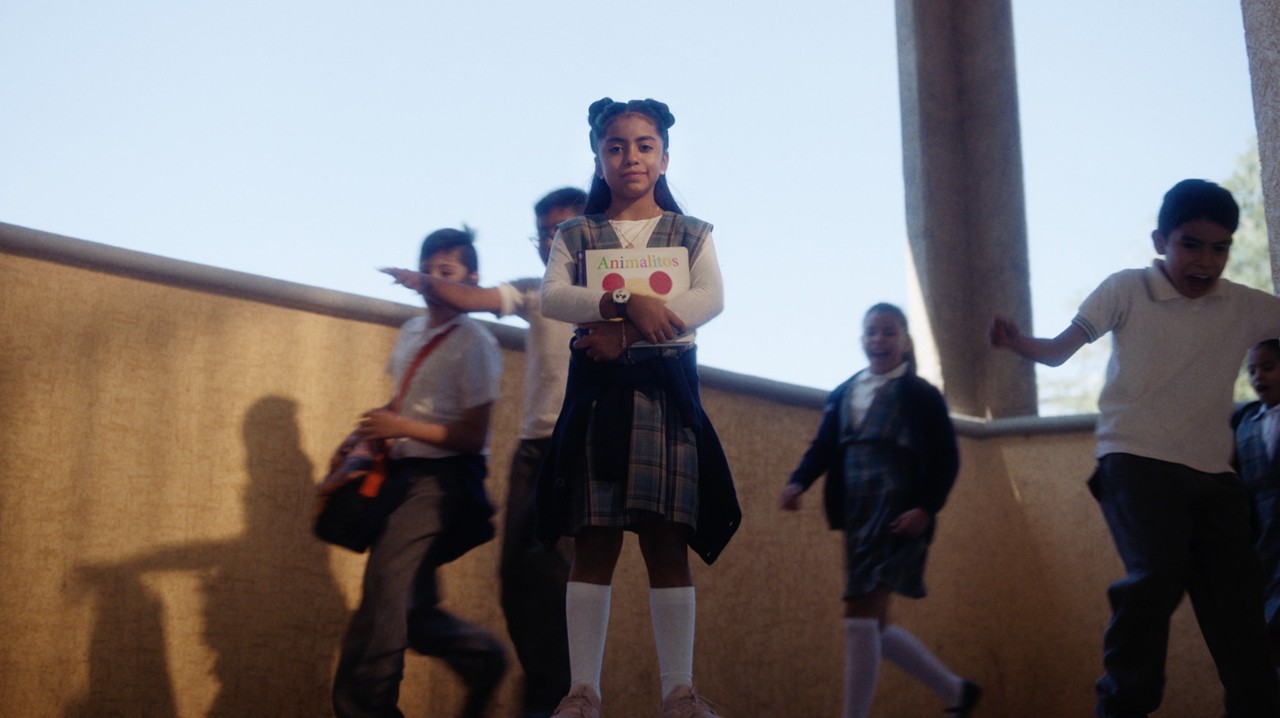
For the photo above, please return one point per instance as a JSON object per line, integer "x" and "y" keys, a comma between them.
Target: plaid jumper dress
{"x": 632, "y": 442}
{"x": 1261, "y": 478}
{"x": 877, "y": 475}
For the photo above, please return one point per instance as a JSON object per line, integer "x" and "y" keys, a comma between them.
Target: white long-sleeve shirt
{"x": 564, "y": 300}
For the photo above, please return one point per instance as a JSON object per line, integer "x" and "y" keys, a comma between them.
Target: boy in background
{"x": 1177, "y": 513}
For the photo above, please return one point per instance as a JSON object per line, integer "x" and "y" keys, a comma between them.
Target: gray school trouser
{"x": 1178, "y": 531}
{"x": 533, "y": 587}
{"x": 399, "y": 609}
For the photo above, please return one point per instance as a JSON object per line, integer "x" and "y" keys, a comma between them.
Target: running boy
{"x": 1177, "y": 513}
{"x": 437, "y": 452}
{"x": 533, "y": 579}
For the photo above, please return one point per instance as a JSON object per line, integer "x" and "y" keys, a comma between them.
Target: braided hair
{"x": 600, "y": 115}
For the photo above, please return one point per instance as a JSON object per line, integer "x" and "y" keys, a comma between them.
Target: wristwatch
{"x": 621, "y": 296}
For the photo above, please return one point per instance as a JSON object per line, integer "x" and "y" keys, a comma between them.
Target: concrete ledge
{"x": 228, "y": 282}
{"x": 155, "y": 268}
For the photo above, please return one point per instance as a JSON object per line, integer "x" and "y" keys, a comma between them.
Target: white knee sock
{"x": 861, "y": 665}
{"x": 587, "y": 613}
{"x": 673, "y": 612}
{"x": 919, "y": 662}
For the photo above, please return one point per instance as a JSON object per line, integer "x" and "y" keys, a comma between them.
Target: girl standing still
{"x": 888, "y": 449}
{"x": 633, "y": 449}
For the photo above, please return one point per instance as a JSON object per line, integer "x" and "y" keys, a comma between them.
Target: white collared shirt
{"x": 464, "y": 371}
{"x": 546, "y": 356}
{"x": 1174, "y": 360}
{"x": 865, "y": 386}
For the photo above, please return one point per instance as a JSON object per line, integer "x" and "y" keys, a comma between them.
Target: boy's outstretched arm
{"x": 462, "y": 297}
{"x": 1051, "y": 352}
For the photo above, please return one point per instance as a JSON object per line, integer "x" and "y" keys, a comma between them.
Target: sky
{"x": 317, "y": 141}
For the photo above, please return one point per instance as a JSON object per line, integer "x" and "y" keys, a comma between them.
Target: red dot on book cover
{"x": 660, "y": 282}
{"x": 612, "y": 281}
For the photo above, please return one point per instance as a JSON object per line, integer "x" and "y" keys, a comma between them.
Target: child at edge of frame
{"x": 1177, "y": 513}
{"x": 633, "y": 449}
{"x": 1257, "y": 432}
{"x": 888, "y": 449}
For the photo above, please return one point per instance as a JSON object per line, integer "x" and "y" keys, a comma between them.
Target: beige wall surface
{"x": 159, "y": 447}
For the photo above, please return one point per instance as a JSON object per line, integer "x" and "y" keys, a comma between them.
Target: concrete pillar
{"x": 966, "y": 216}
{"x": 1262, "y": 39}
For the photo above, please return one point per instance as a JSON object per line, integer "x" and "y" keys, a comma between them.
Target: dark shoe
{"x": 969, "y": 697}
{"x": 482, "y": 672}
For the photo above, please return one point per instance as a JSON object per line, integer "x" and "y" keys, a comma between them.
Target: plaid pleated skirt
{"x": 875, "y": 495}
{"x": 659, "y": 479}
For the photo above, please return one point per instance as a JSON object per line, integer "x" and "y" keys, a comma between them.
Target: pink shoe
{"x": 582, "y": 702}
{"x": 684, "y": 703}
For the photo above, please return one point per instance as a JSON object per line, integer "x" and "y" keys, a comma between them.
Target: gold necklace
{"x": 629, "y": 242}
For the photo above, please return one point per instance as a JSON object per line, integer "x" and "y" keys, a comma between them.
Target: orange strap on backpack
{"x": 373, "y": 482}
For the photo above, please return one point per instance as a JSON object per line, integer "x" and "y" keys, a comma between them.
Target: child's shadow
{"x": 273, "y": 615}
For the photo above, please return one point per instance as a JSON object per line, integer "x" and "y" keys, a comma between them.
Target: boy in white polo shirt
{"x": 437, "y": 455}
{"x": 1177, "y": 513}
{"x": 533, "y": 579}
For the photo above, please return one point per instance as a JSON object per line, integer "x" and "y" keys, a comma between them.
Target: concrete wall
{"x": 965, "y": 210}
{"x": 163, "y": 426}
{"x": 1262, "y": 41}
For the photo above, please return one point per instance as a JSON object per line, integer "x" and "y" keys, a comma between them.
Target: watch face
{"x": 621, "y": 295}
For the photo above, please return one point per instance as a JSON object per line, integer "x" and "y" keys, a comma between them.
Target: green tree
{"x": 1250, "y": 254}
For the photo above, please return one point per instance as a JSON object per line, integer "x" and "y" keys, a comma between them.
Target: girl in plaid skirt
{"x": 633, "y": 449}
{"x": 1257, "y": 429}
{"x": 889, "y": 452}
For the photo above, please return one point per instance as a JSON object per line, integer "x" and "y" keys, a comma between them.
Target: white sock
{"x": 919, "y": 662}
{"x": 587, "y": 613}
{"x": 861, "y": 665}
{"x": 673, "y": 612}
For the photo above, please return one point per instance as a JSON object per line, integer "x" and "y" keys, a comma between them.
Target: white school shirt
{"x": 1174, "y": 360}
{"x": 462, "y": 372}
{"x": 546, "y": 356}
{"x": 865, "y": 385}
{"x": 563, "y": 299}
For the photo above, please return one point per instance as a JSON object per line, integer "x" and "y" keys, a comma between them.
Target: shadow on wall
{"x": 273, "y": 614}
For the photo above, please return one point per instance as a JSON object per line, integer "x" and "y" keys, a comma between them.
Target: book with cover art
{"x": 661, "y": 272}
